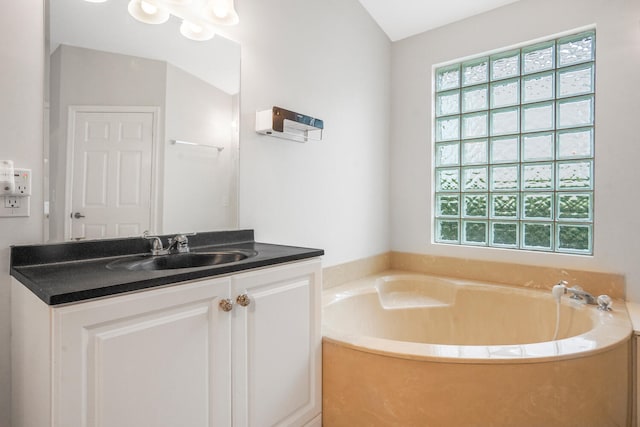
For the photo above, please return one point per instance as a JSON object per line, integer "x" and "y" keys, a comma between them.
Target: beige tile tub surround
{"x": 365, "y": 389}
{"x": 529, "y": 276}
{"x": 349, "y": 271}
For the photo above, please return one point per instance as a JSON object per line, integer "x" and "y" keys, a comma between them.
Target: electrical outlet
{"x": 11, "y": 202}
{"x": 22, "y": 179}
{"x": 18, "y": 202}
{"x": 13, "y": 206}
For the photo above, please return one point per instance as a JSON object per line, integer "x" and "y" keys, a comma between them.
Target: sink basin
{"x": 176, "y": 261}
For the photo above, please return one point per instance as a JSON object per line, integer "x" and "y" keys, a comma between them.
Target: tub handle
{"x": 604, "y": 303}
{"x": 243, "y": 300}
{"x": 226, "y": 304}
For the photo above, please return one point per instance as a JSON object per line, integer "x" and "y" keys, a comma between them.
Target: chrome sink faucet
{"x": 177, "y": 244}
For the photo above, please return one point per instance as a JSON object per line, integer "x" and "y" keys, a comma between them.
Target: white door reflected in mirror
{"x": 112, "y": 170}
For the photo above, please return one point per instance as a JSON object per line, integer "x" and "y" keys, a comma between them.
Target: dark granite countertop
{"x": 76, "y": 271}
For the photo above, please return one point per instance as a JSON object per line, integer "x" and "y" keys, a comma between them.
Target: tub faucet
{"x": 580, "y": 294}
{"x": 577, "y": 293}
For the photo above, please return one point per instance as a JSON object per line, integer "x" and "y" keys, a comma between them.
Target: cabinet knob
{"x": 226, "y": 304}
{"x": 243, "y": 300}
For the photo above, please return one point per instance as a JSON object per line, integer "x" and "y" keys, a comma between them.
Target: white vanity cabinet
{"x": 173, "y": 356}
{"x": 276, "y": 346}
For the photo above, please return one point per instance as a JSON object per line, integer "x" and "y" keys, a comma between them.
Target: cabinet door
{"x": 158, "y": 358}
{"x": 276, "y": 346}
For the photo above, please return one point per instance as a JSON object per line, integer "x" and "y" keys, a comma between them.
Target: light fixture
{"x": 199, "y": 17}
{"x": 147, "y": 12}
{"x": 221, "y": 12}
{"x": 196, "y": 32}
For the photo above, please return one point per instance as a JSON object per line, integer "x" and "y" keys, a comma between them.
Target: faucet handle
{"x": 156, "y": 245}
{"x": 604, "y": 302}
{"x": 181, "y": 237}
{"x": 180, "y": 242}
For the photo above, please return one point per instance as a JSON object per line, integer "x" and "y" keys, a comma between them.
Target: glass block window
{"x": 514, "y": 148}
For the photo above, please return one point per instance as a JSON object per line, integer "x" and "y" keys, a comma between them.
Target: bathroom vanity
{"x": 232, "y": 344}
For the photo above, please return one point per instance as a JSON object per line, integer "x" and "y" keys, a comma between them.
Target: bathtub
{"x": 405, "y": 349}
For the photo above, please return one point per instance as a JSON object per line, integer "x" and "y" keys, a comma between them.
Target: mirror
{"x": 142, "y": 126}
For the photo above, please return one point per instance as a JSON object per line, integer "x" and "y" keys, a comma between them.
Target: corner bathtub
{"x": 406, "y": 349}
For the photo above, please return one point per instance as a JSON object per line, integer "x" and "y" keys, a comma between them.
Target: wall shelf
{"x": 288, "y": 124}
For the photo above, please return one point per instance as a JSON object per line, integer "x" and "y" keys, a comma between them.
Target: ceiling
{"x": 107, "y": 26}
{"x": 405, "y": 18}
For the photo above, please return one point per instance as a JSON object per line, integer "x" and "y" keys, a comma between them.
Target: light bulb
{"x": 221, "y": 9}
{"x": 147, "y": 12}
{"x": 95, "y": 1}
{"x": 148, "y": 8}
{"x": 221, "y": 12}
{"x": 196, "y": 32}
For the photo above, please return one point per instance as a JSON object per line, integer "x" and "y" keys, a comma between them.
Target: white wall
{"x": 199, "y": 182}
{"x": 21, "y": 110}
{"x": 616, "y": 239}
{"x": 329, "y": 60}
